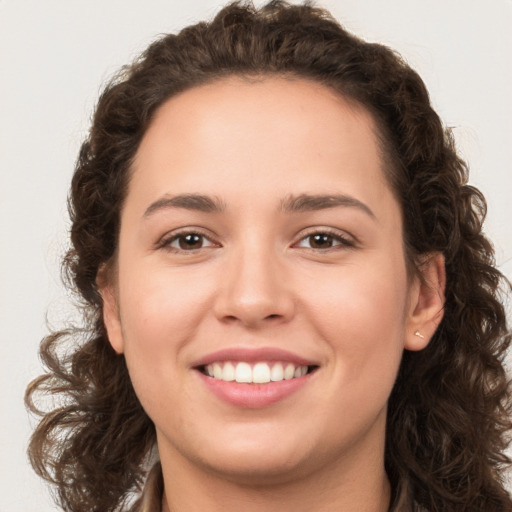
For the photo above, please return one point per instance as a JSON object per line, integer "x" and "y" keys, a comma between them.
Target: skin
{"x": 258, "y": 281}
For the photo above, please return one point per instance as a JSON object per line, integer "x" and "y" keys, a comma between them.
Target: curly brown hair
{"x": 449, "y": 411}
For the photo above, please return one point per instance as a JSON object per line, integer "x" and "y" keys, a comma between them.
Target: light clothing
{"x": 151, "y": 497}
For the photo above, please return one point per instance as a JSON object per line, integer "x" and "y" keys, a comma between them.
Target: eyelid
{"x": 165, "y": 241}
{"x": 347, "y": 241}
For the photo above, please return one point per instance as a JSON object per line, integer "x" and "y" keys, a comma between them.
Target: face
{"x": 260, "y": 242}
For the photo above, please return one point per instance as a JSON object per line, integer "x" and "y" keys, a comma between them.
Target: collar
{"x": 151, "y": 497}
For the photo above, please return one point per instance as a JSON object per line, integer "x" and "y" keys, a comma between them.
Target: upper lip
{"x": 253, "y": 355}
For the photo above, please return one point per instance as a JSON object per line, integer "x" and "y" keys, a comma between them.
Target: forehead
{"x": 237, "y": 134}
{"x": 288, "y": 104}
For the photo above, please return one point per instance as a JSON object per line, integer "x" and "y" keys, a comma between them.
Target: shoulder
{"x": 151, "y": 497}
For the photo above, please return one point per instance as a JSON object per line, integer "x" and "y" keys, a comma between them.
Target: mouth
{"x": 254, "y": 378}
{"x": 255, "y": 372}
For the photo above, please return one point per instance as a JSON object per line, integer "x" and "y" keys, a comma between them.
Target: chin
{"x": 251, "y": 460}
{"x": 261, "y": 471}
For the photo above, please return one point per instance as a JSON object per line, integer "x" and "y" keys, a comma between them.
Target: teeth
{"x": 260, "y": 373}
{"x": 243, "y": 372}
{"x": 277, "y": 372}
{"x": 217, "y": 371}
{"x": 228, "y": 372}
{"x": 289, "y": 372}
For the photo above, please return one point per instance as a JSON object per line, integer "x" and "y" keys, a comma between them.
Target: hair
{"x": 449, "y": 411}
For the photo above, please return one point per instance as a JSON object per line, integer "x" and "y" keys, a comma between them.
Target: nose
{"x": 254, "y": 291}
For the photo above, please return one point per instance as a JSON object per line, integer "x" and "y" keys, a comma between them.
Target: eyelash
{"x": 336, "y": 236}
{"x": 166, "y": 243}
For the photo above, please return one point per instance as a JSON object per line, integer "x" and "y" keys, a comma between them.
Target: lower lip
{"x": 253, "y": 396}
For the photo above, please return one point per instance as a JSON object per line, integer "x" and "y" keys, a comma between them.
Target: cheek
{"x": 161, "y": 302}
{"x": 361, "y": 313}
{"x": 160, "y": 311}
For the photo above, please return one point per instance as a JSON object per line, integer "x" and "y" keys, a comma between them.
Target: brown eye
{"x": 192, "y": 241}
{"x": 321, "y": 241}
{"x": 324, "y": 241}
{"x": 188, "y": 242}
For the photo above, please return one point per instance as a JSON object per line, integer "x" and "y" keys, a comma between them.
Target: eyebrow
{"x": 198, "y": 202}
{"x": 308, "y": 202}
{"x": 291, "y": 204}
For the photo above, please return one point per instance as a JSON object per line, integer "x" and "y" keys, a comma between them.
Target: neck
{"x": 266, "y": 501}
{"x": 358, "y": 485}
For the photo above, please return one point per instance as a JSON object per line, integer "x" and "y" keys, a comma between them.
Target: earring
{"x": 418, "y": 333}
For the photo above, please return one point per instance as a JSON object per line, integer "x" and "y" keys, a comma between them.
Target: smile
{"x": 254, "y": 378}
{"x": 255, "y": 373}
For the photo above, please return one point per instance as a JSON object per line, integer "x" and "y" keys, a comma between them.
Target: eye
{"x": 324, "y": 240}
{"x": 187, "y": 241}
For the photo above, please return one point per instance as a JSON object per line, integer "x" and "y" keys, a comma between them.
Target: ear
{"x": 111, "y": 317}
{"x": 426, "y": 306}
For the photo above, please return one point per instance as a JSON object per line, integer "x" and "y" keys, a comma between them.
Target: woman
{"x": 290, "y": 301}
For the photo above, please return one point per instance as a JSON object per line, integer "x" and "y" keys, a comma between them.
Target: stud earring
{"x": 418, "y": 333}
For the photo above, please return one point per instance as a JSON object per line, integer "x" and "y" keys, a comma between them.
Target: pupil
{"x": 321, "y": 241}
{"x": 190, "y": 241}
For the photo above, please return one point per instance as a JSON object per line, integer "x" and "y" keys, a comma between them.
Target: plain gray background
{"x": 54, "y": 56}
